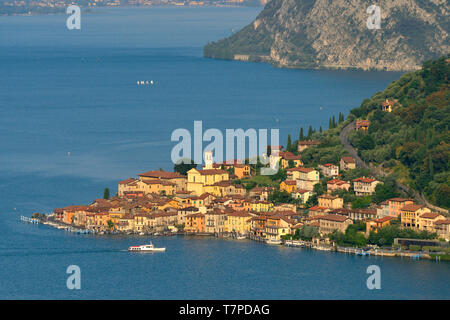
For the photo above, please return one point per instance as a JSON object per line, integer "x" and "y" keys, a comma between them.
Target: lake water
{"x": 75, "y": 91}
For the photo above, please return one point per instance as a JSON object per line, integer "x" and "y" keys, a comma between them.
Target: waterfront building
{"x": 238, "y": 222}
{"x": 215, "y": 221}
{"x": 331, "y": 222}
{"x": 277, "y": 226}
{"x": 183, "y": 212}
{"x": 376, "y": 224}
{"x": 195, "y": 223}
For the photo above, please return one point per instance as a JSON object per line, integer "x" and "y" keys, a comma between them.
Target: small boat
{"x": 240, "y": 237}
{"x": 273, "y": 241}
{"x": 146, "y": 248}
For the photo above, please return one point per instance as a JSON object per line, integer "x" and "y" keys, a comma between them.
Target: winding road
{"x": 343, "y": 136}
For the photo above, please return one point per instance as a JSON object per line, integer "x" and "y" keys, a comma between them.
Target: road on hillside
{"x": 343, "y": 136}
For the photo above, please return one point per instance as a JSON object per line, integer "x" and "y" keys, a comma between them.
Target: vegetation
{"x": 353, "y": 236}
{"x": 183, "y": 166}
{"x": 386, "y": 235}
{"x": 413, "y": 141}
{"x": 106, "y": 194}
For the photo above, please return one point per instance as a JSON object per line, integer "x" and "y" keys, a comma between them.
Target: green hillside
{"x": 412, "y": 141}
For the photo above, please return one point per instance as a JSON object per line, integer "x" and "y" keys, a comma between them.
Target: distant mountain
{"x": 334, "y": 34}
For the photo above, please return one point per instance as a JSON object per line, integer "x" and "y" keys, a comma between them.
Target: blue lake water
{"x": 75, "y": 91}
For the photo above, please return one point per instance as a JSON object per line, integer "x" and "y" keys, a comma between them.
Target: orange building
{"x": 288, "y": 186}
{"x": 194, "y": 223}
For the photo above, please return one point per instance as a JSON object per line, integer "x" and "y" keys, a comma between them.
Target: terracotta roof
{"x": 206, "y": 172}
{"x": 157, "y": 181}
{"x": 333, "y": 217}
{"x": 127, "y": 181}
{"x": 290, "y": 182}
{"x": 317, "y": 208}
{"x": 443, "y": 221}
{"x": 336, "y": 181}
{"x": 430, "y": 215}
{"x": 309, "y": 142}
{"x": 412, "y": 207}
{"x": 301, "y": 169}
{"x": 399, "y": 200}
{"x": 244, "y": 214}
{"x": 348, "y": 159}
{"x": 384, "y": 219}
{"x": 161, "y": 174}
{"x": 364, "y": 180}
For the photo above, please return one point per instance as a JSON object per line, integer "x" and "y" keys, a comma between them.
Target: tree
{"x": 300, "y": 136}
{"x": 184, "y": 165}
{"x": 106, "y": 194}
{"x": 384, "y": 191}
{"x": 110, "y": 224}
{"x": 310, "y": 131}
{"x": 289, "y": 143}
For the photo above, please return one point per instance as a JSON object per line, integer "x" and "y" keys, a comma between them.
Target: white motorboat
{"x": 273, "y": 241}
{"x": 240, "y": 237}
{"x": 146, "y": 248}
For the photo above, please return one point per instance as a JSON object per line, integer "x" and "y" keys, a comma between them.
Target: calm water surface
{"x": 75, "y": 91}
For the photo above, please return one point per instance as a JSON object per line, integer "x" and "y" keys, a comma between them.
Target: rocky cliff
{"x": 334, "y": 34}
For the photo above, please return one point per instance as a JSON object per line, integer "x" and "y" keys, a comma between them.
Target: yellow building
{"x": 410, "y": 213}
{"x": 261, "y": 206}
{"x": 198, "y": 179}
{"x": 239, "y": 222}
{"x": 288, "y": 185}
{"x": 277, "y": 226}
{"x": 306, "y": 177}
{"x": 331, "y": 202}
{"x": 427, "y": 221}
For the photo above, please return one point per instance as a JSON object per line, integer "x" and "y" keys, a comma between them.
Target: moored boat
{"x": 273, "y": 241}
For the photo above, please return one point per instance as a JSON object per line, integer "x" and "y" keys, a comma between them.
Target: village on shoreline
{"x": 285, "y": 209}
{"x": 340, "y": 206}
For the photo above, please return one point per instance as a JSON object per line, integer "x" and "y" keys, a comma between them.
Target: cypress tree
{"x": 289, "y": 146}
{"x": 310, "y": 131}
{"x": 320, "y": 129}
{"x": 300, "y": 136}
{"x": 334, "y": 122}
{"x": 106, "y": 194}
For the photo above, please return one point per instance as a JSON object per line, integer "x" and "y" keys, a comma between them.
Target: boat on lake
{"x": 273, "y": 241}
{"x": 146, "y": 248}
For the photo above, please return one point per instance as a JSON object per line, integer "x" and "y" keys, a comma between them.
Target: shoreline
{"x": 377, "y": 252}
